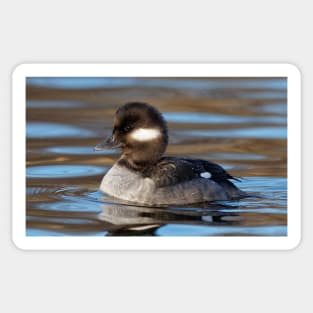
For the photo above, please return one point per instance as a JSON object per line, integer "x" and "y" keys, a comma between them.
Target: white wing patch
{"x": 206, "y": 175}
{"x": 145, "y": 134}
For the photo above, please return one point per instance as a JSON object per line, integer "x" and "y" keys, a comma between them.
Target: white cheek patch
{"x": 145, "y": 134}
{"x": 206, "y": 175}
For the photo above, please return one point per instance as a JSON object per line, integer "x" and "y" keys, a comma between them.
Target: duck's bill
{"x": 108, "y": 143}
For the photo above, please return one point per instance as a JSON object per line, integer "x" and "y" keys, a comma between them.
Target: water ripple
{"x": 57, "y": 171}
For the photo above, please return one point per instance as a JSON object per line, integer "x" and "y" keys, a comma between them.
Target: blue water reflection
{"x": 56, "y": 171}
{"x": 203, "y": 118}
{"x": 199, "y": 83}
{"x": 78, "y": 150}
{"x": 54, "y": 104}
{"x": 237, "y": 156}
{"x": 80, "y": 205}
{"x": 55, "y": 130}
{"x": 51, "y": 233}
{"x": 255, "y": 132}
{"x": 192, "y": 230}
{"x": 80, "y": 82}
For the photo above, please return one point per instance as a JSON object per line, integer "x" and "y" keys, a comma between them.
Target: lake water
{"x": 240, "y": 123}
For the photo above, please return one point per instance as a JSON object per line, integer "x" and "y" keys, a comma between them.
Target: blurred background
{"x": 240, "y": 123}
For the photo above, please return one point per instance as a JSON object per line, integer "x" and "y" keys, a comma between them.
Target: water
{"x": 240, "y": 123}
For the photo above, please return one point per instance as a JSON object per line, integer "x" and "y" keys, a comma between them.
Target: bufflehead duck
{"x": 143, "y": 175}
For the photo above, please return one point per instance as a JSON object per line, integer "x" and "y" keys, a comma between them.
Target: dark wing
{"x": 171, "y": 171}
{"x": 217, "y": 172}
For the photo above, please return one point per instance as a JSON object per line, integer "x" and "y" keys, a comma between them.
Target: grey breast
{"x": 125, "y": 184}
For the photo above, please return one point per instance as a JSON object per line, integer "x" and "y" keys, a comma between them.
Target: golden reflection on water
{"x": 65, "y": 124}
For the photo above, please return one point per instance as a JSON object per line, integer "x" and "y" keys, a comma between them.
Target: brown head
{"x": 141, "y": 132}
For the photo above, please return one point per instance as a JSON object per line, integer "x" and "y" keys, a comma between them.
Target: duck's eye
{"x": 127, "y": 128}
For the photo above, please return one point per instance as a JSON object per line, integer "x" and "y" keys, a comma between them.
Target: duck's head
{"x": 140, "y": 131}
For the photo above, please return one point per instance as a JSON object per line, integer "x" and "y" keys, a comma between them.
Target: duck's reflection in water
{"x": 135, "y": 220}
